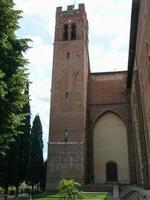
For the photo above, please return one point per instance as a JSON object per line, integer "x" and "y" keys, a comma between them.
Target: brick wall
{"x": 141, "y": 75}
{"x": 66, "y": 159}
{"x": 108, "y": 92}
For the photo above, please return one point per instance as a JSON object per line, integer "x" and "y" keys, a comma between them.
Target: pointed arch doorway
{"x": 110, "y": 150}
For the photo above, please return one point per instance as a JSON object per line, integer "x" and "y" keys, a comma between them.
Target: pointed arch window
{"x": 73, "y": 31}
{"x": 65, "y": 36}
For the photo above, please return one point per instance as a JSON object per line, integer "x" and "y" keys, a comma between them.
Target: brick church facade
{"x": 99, "y": 122}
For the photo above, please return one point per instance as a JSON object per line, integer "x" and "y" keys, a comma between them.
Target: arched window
{"x": 73, "y": 31}
{"x": 65, "y": 36}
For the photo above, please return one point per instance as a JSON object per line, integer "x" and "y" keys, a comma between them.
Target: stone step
{"x": 127, "y": 194}
{"x": 98, "y": 188}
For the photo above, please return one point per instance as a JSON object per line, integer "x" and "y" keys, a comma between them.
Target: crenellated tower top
{"x": 71, "y": 24}
{"x": 70, "y": 10}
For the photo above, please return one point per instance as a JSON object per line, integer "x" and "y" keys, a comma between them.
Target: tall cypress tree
{"x": 25, "y": 141}
{"x": 43, "y": 179}
{"x": 13, "y": 74}
{"x": 36, "y": 152}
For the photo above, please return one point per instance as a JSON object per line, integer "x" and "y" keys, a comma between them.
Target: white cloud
{"x": 40, "y": 98}
{"x": 40, "y": 56}
{"x": 32, "y": 7}
{"x": 109, "y": 38}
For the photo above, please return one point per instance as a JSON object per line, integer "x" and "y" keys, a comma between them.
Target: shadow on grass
{"x": 86, "y": 196}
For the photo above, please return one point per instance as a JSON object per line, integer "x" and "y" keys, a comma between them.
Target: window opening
{"x": 148, "y": 50}
{"x": 73, "y": 31}
{"x": 66, "y": 135}
{"x": 66, "y": 95}
{"x": 68, "y": 55}
{"x": 65, "y": 32}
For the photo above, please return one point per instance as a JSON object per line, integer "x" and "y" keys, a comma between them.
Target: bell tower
{"x": 68, "y": 116}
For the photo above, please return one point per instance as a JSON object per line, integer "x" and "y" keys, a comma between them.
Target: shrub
{"x": 69, "y": 190}
{"x": 1, "y": 190}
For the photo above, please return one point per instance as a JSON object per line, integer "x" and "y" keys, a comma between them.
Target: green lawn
{"x": 87, "y": 196}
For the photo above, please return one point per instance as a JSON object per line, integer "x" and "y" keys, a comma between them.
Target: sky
{"x": 109, "y": 27}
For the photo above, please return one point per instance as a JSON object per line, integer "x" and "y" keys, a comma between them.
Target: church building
{"x": 99, "y": 122}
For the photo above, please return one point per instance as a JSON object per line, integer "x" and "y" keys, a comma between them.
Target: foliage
{"x": 13, "y": 169}
{"x": 69, "y": 190}
{"x": 3, "y": 170}
{"x": 25, "y": 141}
{"x": 43, "y": 178}
{"x": 1, "y": 190}
{"x": 13, "y": 163}
{"x": 36, "y": 153}
{"x": 13, "y": 74}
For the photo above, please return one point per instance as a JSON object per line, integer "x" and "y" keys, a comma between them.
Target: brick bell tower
{"x": 68, "y": 116}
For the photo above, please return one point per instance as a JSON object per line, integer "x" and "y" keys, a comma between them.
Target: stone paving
{"x": 116, "y": 192}
{"x": 142, "y": 191}
{"x": 134, "y": 193}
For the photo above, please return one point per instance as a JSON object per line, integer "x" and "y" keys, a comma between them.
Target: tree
{"x": 43, "y": 179}
{"x": 4, "y": 172}
{"x": 13, "y": 74}
{"x": 25, "y": 141}
{"x": 19, "y": 150}
{"x": 13, "y": 178}
{"x": 36, "y": 152}
{"x": 14, "y": 163}
{"x": 9, "y": 167}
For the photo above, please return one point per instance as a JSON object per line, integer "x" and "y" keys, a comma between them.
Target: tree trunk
{"x": 38, "y": 186}
{"x": 17, "y": 190}
{"x": 6, "y": 191}
{"x": 32, "y": 188}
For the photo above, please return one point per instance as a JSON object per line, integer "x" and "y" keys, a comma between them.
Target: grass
{"x": 95, "y": 196}
{"x": 87, "y": 196}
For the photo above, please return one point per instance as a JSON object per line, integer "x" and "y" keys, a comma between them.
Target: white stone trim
{"x": 65, "y": 142}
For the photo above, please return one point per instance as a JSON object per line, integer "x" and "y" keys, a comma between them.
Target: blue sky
{"x": 109, "y": 26}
